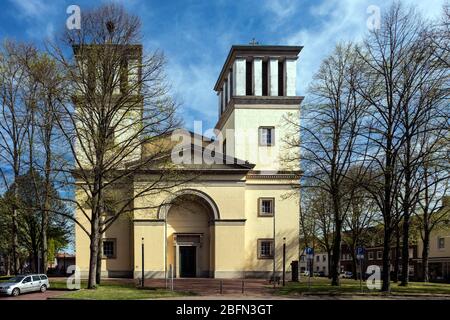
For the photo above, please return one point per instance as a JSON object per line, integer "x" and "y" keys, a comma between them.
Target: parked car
{"x": 319, "y": 274}
{"x": 346, "y": 275}
{"x": 305, "y": 273}
{"x": 25, "y": 283}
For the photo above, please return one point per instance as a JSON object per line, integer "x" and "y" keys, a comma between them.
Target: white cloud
{"x": 191, "y": 84}
{"x": 281, "y": 9}
{"x": 335, "y": 21}
{"x": 37, "y": 13}
{"x": 32, "y": 8}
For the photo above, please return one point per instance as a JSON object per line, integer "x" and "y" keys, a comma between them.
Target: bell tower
{"x": 256, "y": 91}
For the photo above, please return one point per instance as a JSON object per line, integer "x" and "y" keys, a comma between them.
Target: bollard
{"x": 243, "y": 287}
{"x": 221, "y": 287}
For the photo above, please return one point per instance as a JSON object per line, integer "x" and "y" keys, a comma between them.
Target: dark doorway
{"x": 188, "y": 261}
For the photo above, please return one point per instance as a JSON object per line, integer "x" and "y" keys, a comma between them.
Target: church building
{"x": 234, "y": 218}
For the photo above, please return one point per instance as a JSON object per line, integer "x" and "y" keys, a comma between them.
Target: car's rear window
{"x": 36, "y": 278}
{"x": 43, "y": 277}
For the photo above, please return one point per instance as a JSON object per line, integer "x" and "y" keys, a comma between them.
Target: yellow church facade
{"x": 233, "y": 219}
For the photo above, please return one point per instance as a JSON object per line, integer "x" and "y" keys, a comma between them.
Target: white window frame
{"x": 263, "y": 136}
{"x": 441, "y": 247}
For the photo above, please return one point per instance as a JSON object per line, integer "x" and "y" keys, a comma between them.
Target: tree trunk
{"x": 45, "y": 214}
{"x": 93, "y": 258}
{"x": 425, "y": 253}
{"x": 354, "y": 268}
{"x": 44, "y": 240}
{"x": 15, "y": 240}
{"x": 336, "y": 255}
{"x": 405, "y": 251}
{"x": 98, "y": 274}
{"x": 329, "y": 263}
{"x": 385, "y": 274}
{"x": 397, "y": 254}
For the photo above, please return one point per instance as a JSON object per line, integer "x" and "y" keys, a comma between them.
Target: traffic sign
{"x": 360, "y": 253}
{"x": 309, "y": 252}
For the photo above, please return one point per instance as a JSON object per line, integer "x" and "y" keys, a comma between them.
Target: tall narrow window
{"x": 133, "y": 75}
{"x": 441, "y": 243}
{"x": 226, "y": 92}
{"x": 265, "y": 79}
{"x": 109, "y": 248}
{"x": 110, "y": 138}
{"x": 224, "y": 147}
{"x": 248, "y": 78}
{"x": 281, "y": 78}
{"x": 231, "y": 82}
{"x": 266, "y": 136}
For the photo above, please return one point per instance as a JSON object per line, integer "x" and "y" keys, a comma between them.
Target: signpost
{"x": 309, "y": 258}
{"x": 360, "y": 251}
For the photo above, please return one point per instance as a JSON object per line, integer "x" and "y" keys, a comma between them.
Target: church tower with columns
{"x": 256, "y": 91}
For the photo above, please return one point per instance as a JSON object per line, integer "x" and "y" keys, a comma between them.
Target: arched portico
{"x": 192, "y": 193}
{"x": 189, "y": 217}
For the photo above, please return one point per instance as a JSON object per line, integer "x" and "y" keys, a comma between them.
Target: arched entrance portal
{"x": 190, "y": 234}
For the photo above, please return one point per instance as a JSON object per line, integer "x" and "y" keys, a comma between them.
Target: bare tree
{"x": 403, "y": 81}
{"x": 48, "y": 78}
{"x": 328, "y": 132}
{"x": 116, "y": 123}
{"x": 433, "y": 199}
{"x": 361, "y": 217}
{"x": 14, "y": 121}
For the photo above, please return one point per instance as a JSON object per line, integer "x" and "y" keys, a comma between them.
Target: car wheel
{"x": 15, "y": 292}
{"x": 43, "y": 288}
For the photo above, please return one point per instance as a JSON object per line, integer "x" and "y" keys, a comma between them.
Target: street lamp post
{"x": 142, "y": 247}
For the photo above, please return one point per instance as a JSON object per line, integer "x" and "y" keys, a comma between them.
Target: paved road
{"x": 33, "y": 295}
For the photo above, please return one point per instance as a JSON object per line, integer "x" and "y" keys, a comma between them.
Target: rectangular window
{"x": 133, "y": 75}
{"x": 109, "y": 248}
{"x": 265, "y": 79}
{"x": 225, "y": 85}
{"x": 281, "y": 78}
{"x": 224, "y": 147}
{"x": 110, "y": 138}
{"x": 248, "y": 78}
{"x": 266, "y": 136}
{"x": 324, "y": 258}
{"x": 266, "y": 207}
{"x": 379, "y": 255}
{"x": 441, "y": 243}
{"x": 371, "y": 255}
{"x": 265, "y": 248}
{"x": 318, "y": 258}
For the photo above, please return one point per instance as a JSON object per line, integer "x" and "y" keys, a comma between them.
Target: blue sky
{"x": 196, "y": 35}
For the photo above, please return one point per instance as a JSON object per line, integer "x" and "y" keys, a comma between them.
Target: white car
{"x": 26, "y": 283}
